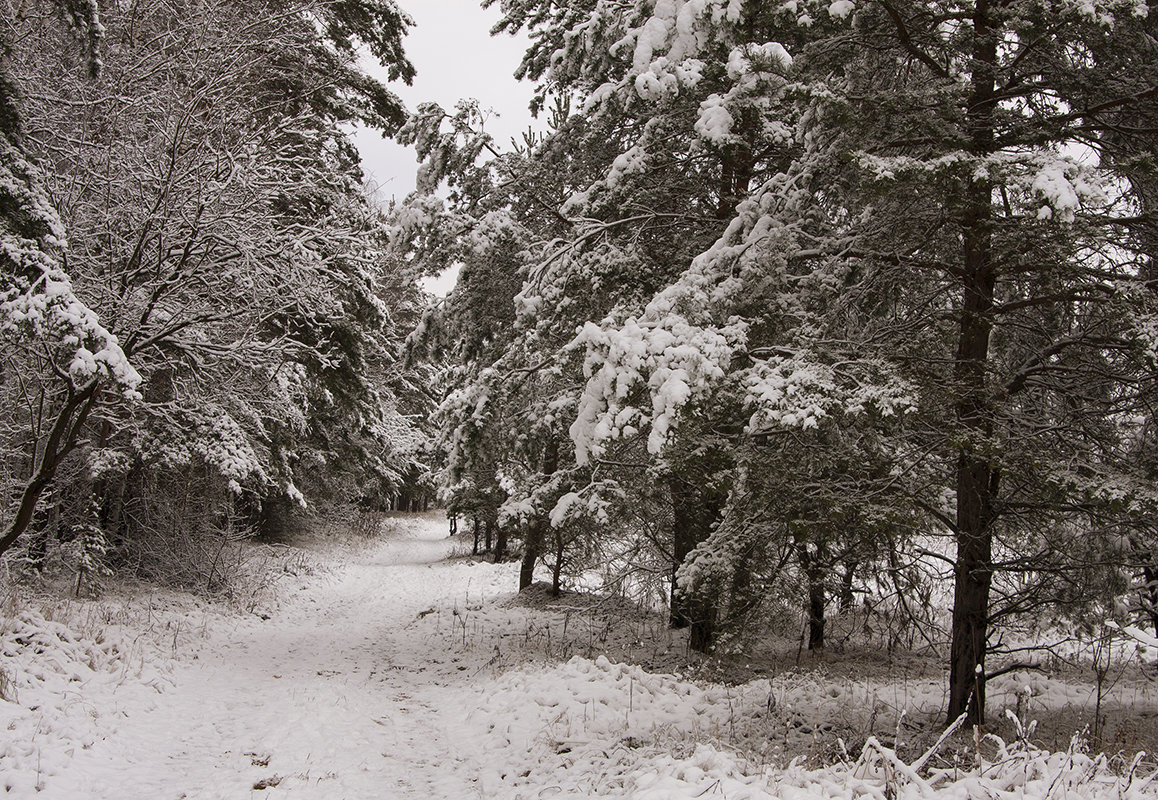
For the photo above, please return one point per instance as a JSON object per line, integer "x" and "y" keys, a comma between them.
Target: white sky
{"x": 451, "y": 47}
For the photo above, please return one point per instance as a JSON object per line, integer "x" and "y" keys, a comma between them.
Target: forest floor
{"x": 399, "y": 668}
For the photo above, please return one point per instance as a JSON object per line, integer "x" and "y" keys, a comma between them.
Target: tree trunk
{"x": 741, "y": 587}
{"x": 702, "y": 632}
{"x": 814, "y": 566}
{"x": 500, "y": 542}
{"x": 977, "y": 481}
{"x": 693, "y": 514}
{"x": 1150, "y": 594}
{"x": 40, "y": 530}
{"x": 557, "y": 567}
{"x": 530, "y": 556}
{"x": 536, "y": 530}
{"x": 62, "y": 438}
{"x": 487, "y": 534}
{"x": 475, "y": 532}
{"x": 816, "y": 614}
{"x": 846, "y": 596}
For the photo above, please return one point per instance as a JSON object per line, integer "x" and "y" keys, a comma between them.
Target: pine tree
{"x": 932, "y": 243}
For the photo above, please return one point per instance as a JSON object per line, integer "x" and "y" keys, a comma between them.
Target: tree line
{"x": 802, "y": 302}
{"x": 199, "y": 311}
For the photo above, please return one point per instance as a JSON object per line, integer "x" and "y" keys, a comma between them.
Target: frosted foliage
{"x": 48, "y": 310}
{"x": 653, "y": 34}
{"x": 1146, "y": 331}
{"x": 20, "y": 184}
{"x": 37, "y": 301}
{"x": 663, "y": 79}
{"x": 791, "y": 393}
{"x": 294, "y": 494}
{"x": 675, "y": 361}
{"x": 799, "y": 393}
{"x": 591, "y": 505}
{"x": 634, "y": 160}
{"x": 223, "y": 445}
{"x": 715, "y": 121}
{"x": 516, "y": 511}
{"x": 841, "y": 9}
{"x": 1063, "y": 186}
{"x": 1098, "y": 487}
{"x": 290, "y": 380}
{"x": 1105, "y": 12}
{"x": 565, "y": 509}
{"x": 754, "y": 58}
{"x": 887, "y": 168}
{"x": 675, "y": 32}
{"x": 641, "y": 373}
{"x": 492, "y": 231}
{"x": 666, "y": 45}
{"x": 417, "y": 214}
{"x": 713, "y": 558}
{"x": 530, "y": 497}
{"x": 470, "y": 407}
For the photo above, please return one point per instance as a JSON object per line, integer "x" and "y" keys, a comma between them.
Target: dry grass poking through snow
{"x": 775, "y": 705}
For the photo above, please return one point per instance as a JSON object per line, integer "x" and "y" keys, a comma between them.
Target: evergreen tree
{"x": 933, "y": 243}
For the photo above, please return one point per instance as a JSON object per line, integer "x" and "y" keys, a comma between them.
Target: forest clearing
{"x": 399, "y": 667}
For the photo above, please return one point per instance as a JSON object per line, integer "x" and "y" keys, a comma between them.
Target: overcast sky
{"x": 456, "y": 57}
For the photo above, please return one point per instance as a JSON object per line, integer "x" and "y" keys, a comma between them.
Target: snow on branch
{"x": 672, "y": 360}
{"x": 37, "y": 300}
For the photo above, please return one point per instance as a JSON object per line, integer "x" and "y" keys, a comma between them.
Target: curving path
{"x": 338, "y": 695}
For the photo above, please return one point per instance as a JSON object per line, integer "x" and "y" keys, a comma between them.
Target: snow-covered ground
{"x": 402, "y": 673}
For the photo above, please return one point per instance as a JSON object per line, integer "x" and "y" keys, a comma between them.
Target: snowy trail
{"x": 333, "y": 697}
{"x": 392, "y": 676}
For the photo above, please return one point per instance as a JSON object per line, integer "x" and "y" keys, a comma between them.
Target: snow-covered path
{"x": 399, "y": 673}
{"x": 337, "y": 695}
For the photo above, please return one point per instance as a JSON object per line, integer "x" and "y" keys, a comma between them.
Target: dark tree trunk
{"x": 702, "y": 632}
{"x": 40, "y": 531}
{"x": 814, "y": 566}
{"x": 977, "y": 484}
{"x": 693, "y": 514}
{"x": 536, "y": 530}
{"x": 557, "y": 567}
{"x": 530, "y": 556}
{"x": 816, "y": 619}
{"x": 500, "y": 542}
{"x": 741, "y": 587}
{"x": 685, "y": 537}
{"x": 846, "y": 596}
{"x": 977, "y": 481}
{"x": 1148, "y": 237}
{"x": 474, "y": 532}
{"x": 487, "y": 534}
{"x": 62, "y": 438}
{"x": 1150, "y": 594}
